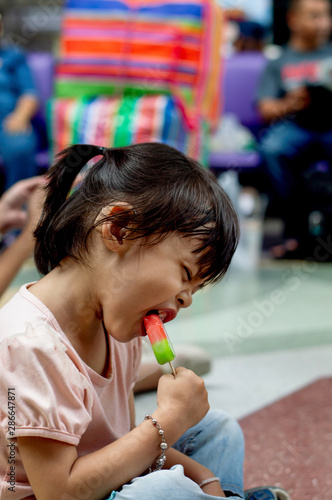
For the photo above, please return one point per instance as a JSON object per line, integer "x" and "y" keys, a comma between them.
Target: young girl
{"x": 147, "y": 228}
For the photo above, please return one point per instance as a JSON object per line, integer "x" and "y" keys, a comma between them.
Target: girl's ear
{"x": 112, "y": 223}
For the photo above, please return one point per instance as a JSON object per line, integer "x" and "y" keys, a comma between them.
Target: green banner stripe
{"x": 124, "y": 122}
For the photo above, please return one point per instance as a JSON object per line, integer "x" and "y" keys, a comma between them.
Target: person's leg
{"x": 216, "y": 442}
{"x": 282, "y": 148}
{"x": 18, "y": 153}
{"x": 284, "y": 151}
{"x": 325, "y": 141}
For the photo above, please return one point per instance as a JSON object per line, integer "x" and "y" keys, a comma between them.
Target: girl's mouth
{"x": 164, "y": 314}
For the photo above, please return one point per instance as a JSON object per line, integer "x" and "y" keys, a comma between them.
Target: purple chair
{"x": 242, "y": 74}
{"x": 42, "y": 67}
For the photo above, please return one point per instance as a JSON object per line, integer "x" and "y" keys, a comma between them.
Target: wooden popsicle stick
{"x": 172, "y": 368}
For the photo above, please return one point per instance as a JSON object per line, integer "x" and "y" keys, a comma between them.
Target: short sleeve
{"x": 270, "y": 82}
{"x": 53, "y": 399}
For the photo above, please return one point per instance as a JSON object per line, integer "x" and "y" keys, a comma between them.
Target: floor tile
{"x": 289, "y": 443}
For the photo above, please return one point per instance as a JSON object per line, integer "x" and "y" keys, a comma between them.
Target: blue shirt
{"x": 15, "y": 79}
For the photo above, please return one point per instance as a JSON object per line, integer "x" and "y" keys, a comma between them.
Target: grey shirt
{"x": 294, "y": 69}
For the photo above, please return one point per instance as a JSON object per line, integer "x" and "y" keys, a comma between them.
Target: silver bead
{"x": 161, "y": 432}
{"x": 163, "y": 446}
{"x": 154, "y": 421}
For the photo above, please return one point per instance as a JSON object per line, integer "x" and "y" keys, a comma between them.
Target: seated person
{"x": 18, "y": 104}
{"x": 294, "y": 96}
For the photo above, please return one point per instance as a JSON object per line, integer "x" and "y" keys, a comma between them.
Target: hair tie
{"x": 102, "y": 150}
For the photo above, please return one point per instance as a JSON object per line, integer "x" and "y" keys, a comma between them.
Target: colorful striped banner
{"x": 144, "y": 47}
{"x": 120, "y": 121}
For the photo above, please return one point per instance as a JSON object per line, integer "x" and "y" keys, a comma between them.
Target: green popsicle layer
{"x": 163, "y": 351}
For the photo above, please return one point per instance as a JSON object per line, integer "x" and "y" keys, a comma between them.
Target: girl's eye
{"x": 188, "y": 273}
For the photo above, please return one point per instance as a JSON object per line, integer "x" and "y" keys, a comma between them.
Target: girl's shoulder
{"x": 23, "y": 308}
{"x": 29, "y": 327}
{"x": 37, "y": 367}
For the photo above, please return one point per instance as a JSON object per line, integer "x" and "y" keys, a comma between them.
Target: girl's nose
{"x": 184, "y": 298}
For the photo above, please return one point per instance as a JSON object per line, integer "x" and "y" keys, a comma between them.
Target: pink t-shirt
{"x": 46, "y": 389}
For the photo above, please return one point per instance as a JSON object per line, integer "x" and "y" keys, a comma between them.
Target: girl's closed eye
{"x": 188, "y": 273}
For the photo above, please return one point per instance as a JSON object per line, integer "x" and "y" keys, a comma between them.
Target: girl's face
{"x": 162, "y": 277}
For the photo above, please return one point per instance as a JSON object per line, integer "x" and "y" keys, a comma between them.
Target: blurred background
{"x": 266, "y": 328}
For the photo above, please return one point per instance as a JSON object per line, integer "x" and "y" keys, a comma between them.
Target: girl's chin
{"x": 126, "y": 335}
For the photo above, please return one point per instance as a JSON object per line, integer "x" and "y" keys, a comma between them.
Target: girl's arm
{"x": 55, "y": 471}
{"x": 192, "y": 469}
{"x": 54, "y": 468}
{"x": 195, "y": 471}
{"x": 132, "y": 410}
{"x": 149, "y": 376}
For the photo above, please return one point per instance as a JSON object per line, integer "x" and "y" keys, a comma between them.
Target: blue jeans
{"x": 284, "y": 150}
{"x": 18, "y": 154}
{"x": 287, "y": 150}
{"x": 217, "y": 443}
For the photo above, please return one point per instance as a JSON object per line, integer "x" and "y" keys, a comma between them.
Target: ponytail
{"x": 61, "y": 177}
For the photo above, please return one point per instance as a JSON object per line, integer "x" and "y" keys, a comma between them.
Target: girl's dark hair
{"x": 167, "y": 190}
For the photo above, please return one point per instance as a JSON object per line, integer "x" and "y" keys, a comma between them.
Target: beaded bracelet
{"x": 163, "y": 445}
{"x": 208, "y": 481}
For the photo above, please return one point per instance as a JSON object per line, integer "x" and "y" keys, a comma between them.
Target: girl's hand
{"x": 183, "y": 400}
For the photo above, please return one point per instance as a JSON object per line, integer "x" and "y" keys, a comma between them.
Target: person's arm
{"x": 13, "y": 257}
{"x": 12, "y": 215}
{"x": 149, "y": 376}
{"x": 55, "y": 470}
{"x": 192, "y": 469}
{"x": 27, "y": 102}
{"x": 12, "y": 202}
{"x": 19, "y": 119}
{"x": 272, "y": 101}
{"x": 195, "y": 471}
{"x": 132, "y": 411}
{"x": 293, "y": 102}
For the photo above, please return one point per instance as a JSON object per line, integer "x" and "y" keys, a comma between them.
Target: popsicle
{"x": 160, "y": 342}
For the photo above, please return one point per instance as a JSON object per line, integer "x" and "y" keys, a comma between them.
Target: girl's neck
{"x": 66, "y": 292}
{"x": 67, "y": 295}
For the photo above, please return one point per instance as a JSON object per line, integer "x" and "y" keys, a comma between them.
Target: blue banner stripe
{"x": 163, "y": 9}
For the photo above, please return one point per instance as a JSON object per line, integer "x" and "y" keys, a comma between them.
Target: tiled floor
{"x": 289, "y": 443}
{"x": 269, "y": 332}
